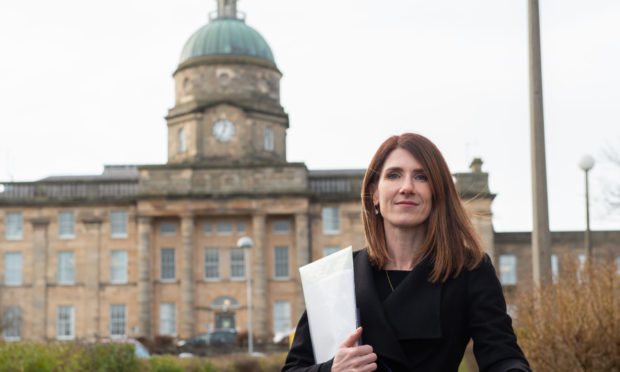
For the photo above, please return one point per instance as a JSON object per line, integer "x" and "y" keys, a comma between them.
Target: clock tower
{"x": 227, "y": 96}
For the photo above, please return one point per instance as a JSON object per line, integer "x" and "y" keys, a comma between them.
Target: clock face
{"x": 223, "y": 130}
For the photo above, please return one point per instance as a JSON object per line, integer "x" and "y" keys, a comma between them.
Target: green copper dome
{"x": 226, "y": 37}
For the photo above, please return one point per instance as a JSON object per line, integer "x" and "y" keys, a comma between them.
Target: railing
{"x": 330, "y": 185}
{"x": 337, "y": 181}
{"x": 68, "y": 190}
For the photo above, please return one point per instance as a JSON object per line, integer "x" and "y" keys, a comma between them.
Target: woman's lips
{"x": 406, "y": 203}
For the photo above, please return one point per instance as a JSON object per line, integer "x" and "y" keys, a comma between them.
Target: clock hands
{"x": 223, "y": 130}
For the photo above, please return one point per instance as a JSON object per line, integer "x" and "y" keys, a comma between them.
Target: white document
{"x": 329, "y": 292}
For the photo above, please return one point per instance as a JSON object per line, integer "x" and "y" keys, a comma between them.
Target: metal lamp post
{"x": 586, "y": 163}
{"x": 246, "y": 243}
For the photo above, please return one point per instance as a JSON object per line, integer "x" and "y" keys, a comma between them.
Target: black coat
{"x": 424, "y": 326}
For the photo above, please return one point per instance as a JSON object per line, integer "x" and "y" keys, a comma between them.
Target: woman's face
{"x": 403, "y": 193}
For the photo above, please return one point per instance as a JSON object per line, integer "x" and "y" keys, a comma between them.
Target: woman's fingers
{"x": 354, "y": 358}
{"x": 362, "y": 350}
{"x": 357, "y": 358}
{"x": 368, "y": 367}
{"x": 352, "y": 339}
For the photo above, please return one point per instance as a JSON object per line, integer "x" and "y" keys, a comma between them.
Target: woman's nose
{"x": 407, "y": 186}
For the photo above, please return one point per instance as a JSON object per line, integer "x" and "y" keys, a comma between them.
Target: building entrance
{"x": 225, "y": 320}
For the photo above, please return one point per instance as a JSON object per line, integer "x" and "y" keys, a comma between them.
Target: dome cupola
{"x": 227, "y": 35}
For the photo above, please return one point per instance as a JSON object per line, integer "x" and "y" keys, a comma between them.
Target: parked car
{"x": 217, "y": 337}
{"x": 139, "y": 350}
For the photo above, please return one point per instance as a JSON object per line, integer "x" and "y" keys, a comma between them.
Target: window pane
{"x": 167, "y": 319}
{"x": 582, "y": 264}
{"x": 117, "y": 321}
{"x": 167, "y": 263}
{"x": 281, "y": 317}
{"x": 212, "y": 263}
{"x": 281, "y": 227}
{"x": 66, "y": 268}
{"x": 331, "y": 220}
{"x": 508, "y": 269}
{"x": 118, "y": 223}
{"x": 237, "y": 263}
{"x": 240, "y": 228}
{"x": 168, "y": 228}
{"x": 66, "y": 225}
{"x": 118, "y": 267}
{"x": 181, "y": 143}
{"x": 64, "y": 323}
{"x": 13, "y": 268}
{"x": 224, "y": 228}
{"x": 554, "y": 268}
{"x": 12, "y": 323}
{"x": 207, "y": 228}
{"x": 14, "y": 224}
{"x": 329, "y": 250}
{"x": 281, "y": 262}
{"x": 268, "y": 139}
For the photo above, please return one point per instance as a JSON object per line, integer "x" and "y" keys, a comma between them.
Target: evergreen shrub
{"x": 119, "y": 357}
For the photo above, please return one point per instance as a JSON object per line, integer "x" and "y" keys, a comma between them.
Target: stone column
{"x": 144, "y": 277}
{"x": 302, "y": 242}
{"x": 260, "y": 313}
{"x": 38, "y": 318}
{"x": 188, "y": 320}
{"x": 91, "y": 276}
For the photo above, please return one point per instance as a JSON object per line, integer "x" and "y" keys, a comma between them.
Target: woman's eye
{"x": 391, "y": 175}
{"x": 420, "y": 177}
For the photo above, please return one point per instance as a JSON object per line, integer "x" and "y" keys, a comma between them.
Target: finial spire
{"x": 227, "y": 8}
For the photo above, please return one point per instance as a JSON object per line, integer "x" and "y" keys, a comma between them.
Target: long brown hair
{"x": 451, "y": 243}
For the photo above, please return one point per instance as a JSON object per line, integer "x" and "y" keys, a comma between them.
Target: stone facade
{"x": 152, "y": 250}
{"x": 195, "y": 199}
{"x": 564, "y": 245}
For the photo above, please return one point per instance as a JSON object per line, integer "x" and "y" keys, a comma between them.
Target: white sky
{"x": 85, "y": 83}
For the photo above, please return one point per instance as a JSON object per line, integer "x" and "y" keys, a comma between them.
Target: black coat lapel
{"x": 377, "y": 330}
{"x": 414, "y": 309}
{"x": 411, "y": 312}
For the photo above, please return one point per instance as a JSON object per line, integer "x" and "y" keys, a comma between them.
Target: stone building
{"x": 152, "y": 250}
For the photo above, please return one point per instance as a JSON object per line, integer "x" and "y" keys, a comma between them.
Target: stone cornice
{"x": 227, "y": 60}
{"x": 266, "y": 108}
{"x": 206, "y": 164}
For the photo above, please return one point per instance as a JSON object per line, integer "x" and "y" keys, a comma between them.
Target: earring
{"x": 377, "y": 209}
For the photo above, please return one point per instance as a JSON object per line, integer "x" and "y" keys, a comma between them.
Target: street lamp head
{"x": 586, "y": 162}
{"x": 245, "y": 242}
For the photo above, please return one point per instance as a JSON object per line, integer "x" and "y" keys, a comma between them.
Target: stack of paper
{"x": 329, "y": 292}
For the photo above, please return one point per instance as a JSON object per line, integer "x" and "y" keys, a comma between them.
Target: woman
{"x": 423, "y": 286}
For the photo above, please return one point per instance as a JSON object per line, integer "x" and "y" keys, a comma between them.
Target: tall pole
{"x": 246, "y": 244}
{"x": 541, "y": 237}
{"x": 586, "y": 163}
{"x": 588, "y": 241}
{"x": 249, "y": 289}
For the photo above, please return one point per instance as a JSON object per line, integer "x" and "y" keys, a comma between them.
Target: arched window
{"x": 225, "y": 303}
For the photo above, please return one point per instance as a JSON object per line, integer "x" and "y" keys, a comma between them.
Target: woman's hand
{"x": 354, "y": 358}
